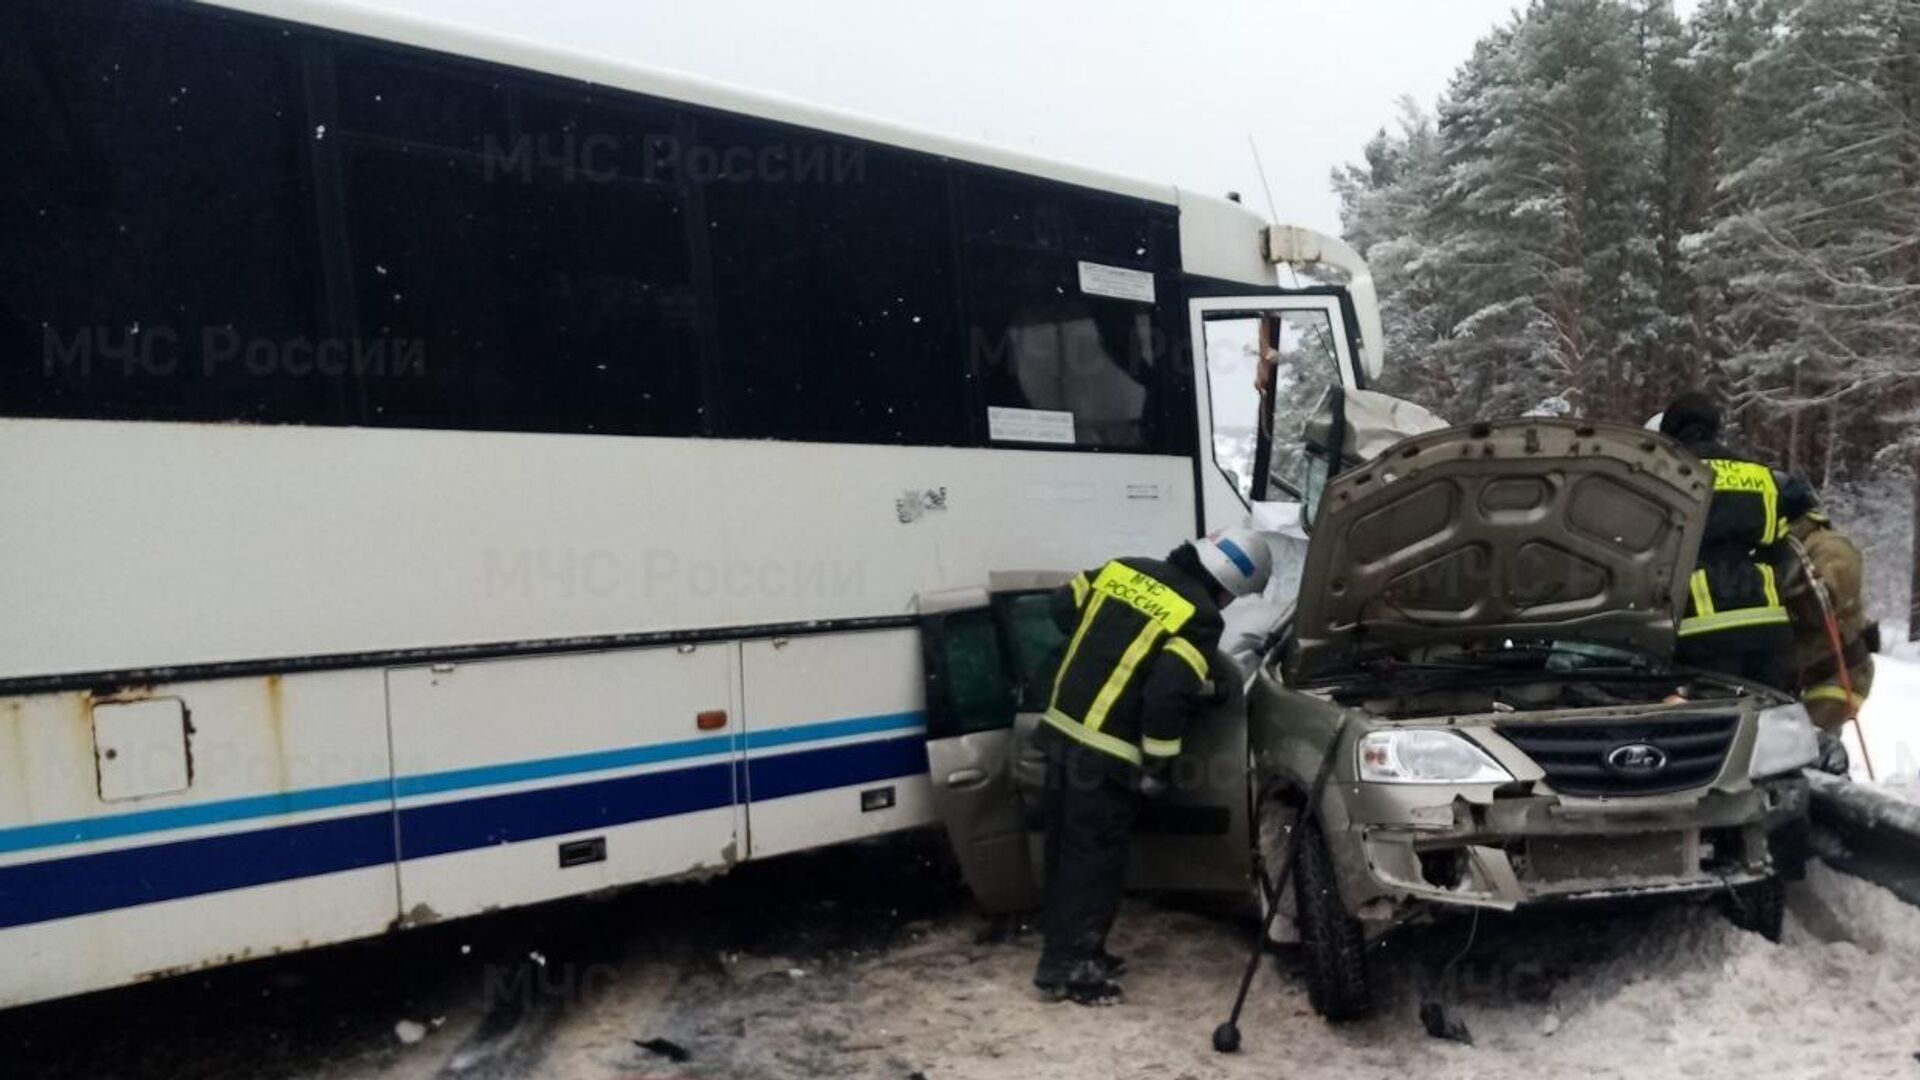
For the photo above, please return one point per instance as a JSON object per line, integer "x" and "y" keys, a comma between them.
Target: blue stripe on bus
{"x": 53, "y": 834}
{"x": 103, "y": 881}
{"x": 39, "y": 891}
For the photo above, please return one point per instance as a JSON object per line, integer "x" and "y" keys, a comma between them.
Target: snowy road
{"x": 870, "y": 963}
{"x": 1892, "y": 722}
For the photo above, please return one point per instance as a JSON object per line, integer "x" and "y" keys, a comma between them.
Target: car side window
{"x": 1035, "y": 642}
{"x": 969, "y": 685}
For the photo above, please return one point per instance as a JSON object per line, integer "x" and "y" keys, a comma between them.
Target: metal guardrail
{"x": 1867, "y": 833}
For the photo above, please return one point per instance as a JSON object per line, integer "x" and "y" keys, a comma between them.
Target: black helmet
{"x": 1693, "y": 417}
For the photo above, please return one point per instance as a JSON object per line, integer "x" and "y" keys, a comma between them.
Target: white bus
{"x": 440, "y": 473}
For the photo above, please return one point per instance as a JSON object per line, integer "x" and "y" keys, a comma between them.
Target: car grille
{"x": 1575, "y": 755}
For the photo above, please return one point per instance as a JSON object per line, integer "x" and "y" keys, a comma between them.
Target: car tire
{"x": 1338, "y": 986}
{"x": 1759, "y": 906}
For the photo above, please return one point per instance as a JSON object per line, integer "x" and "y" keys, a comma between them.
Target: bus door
{"x": 1268, "y": 359}
{"x": 990, "y": 656}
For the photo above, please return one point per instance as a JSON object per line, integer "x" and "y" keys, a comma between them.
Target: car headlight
{"x": 1785, "y": 741}
{"x": 1426, "y": 756}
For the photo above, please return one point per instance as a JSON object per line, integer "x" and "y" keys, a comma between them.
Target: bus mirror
{"x": 1312, "y": 485}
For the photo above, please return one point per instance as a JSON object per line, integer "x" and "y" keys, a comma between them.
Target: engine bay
{"x": 1535, "y": 695}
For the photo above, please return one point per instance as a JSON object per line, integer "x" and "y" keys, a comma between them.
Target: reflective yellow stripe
{"x": 1733, "y": 620}
{"x": 1107, "y": 744}
{"x": 1122, "y": 671}
{"x": 1158, "y": 601}
{"x": 1772, "y": 497}
{"x": 1702, "y": 595}
{"x": 1073, "y": 647}
{"x": 1187, "y": 651}
{"x": 1161, "y": 747}
{"x": 1766, "y": 580}
{"x": 1830, "y": 692}
{"x": 1080, "y": 588}
{"x": 1751, "y": 478}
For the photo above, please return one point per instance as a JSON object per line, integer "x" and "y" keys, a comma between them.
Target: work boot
{"x": 1087, "y": 982}
{"x": 1095, "y": 994}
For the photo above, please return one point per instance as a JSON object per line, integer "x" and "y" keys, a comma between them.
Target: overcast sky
{"x": 1167, "y": 90}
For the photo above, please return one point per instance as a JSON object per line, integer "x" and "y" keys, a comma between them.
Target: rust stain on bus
{"x": 116, "y": 695}
{"x": 17, "y": 742}
{"x": 276, "y": 728}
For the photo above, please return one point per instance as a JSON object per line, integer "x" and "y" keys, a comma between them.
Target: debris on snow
{"x": 665, "y": 1048}
{"x": 1433, "y": 1016}
{"x": 409, "y": 1032}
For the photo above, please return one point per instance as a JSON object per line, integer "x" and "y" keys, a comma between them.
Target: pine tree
{"x": 1819, "y": 241}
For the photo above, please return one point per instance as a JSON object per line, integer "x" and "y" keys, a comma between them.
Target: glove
{"x": 1216, "y": 692}
{"x": 1154, "y": 779}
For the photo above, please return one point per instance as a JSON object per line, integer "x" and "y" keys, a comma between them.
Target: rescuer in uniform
{"x": 1735, "y": 622}
{"x": 1136, "y": 671}
{"x": 1823, "y": 586}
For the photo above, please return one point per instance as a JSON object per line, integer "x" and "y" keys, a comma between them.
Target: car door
{"x": 972, "y": 704}
{"x": 990, "y": 658}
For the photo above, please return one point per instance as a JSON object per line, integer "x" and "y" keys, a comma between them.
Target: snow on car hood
{"x": 1522, "y": 529}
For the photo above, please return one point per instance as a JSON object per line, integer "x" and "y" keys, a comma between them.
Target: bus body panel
{"x": 527, "y": 779}
{"x": 205, "y": 543}
{"x": 839, "y": 709}
{"x": 282, "y": 841}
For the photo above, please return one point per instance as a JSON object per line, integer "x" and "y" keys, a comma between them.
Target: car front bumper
{"x": 1402, "y": 845}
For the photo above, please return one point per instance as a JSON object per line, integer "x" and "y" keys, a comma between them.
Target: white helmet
{"x": 1237, "y": 558}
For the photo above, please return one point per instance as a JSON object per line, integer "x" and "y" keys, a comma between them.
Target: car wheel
{"x": 1759, "y": 906}
{"x": 1335, "y": 948}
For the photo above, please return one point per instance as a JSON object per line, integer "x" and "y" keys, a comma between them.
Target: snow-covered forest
{"x": 1612, "y": 204}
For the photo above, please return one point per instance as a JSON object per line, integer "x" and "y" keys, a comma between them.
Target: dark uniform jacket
{"x": 1734, "y": 594}
{"x": 1142, "y": 637}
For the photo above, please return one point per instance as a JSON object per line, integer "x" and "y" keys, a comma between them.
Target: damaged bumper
{"x": 1477, "y": 847}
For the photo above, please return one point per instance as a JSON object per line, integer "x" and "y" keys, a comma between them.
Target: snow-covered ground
{"x": 1891, "y": 719}
{"x": 872, "y": 963}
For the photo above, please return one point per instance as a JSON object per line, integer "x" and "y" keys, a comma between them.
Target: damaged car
{"x": 1481, "y": 650}
{"x": 1471, "y": 705}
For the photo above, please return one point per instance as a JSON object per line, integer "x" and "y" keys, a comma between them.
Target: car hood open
{"x": 1521, "y": 529}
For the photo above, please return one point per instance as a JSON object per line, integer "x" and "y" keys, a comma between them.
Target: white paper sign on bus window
{"x": 1029, "y": 425}
{"x": 1099, "y": 279}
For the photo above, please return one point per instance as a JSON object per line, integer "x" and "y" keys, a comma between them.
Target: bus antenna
{"x": 1272, "y": 211}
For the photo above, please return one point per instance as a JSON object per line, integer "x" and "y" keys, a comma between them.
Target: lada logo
{"x": 1636, "y": 759}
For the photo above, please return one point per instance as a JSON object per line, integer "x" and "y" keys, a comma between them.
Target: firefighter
{"x": 1735, "y": 622}
{"x": 1822, "y": 584}
{"x": 1137, "y": 669}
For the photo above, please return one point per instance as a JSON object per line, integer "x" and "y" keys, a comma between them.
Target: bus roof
{"x": 449, "y": 37}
